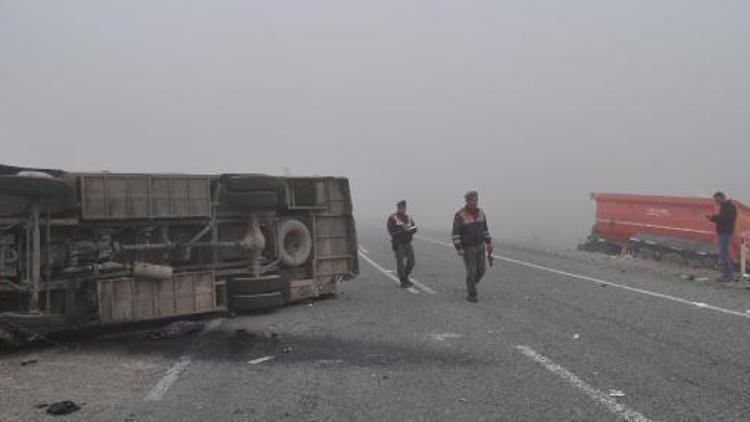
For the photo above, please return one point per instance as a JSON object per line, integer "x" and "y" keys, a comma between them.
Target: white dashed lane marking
{"x": 593, "y": 393}
{"x": 389, "y": 274}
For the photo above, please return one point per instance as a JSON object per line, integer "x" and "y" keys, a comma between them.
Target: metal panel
{"x": 335, "y": 238}
{"x": 199, "y": 197}
{"x": 205, "y": 292}
{"x": 165, "y": 298}
{"x": 121, "y": 196}
{"x": 161, "y": 204}
{"x": 94, "y": 200}
{"x": 104, "y": 299}
{"x": 184, "y": 287}
{"x": 301, "y": 290}
{"x": 117, "y": 197}
{"x": 139, "y": 197}
{"x": 180, "y": 198}
{"x": 131, "y": 299}
{"x": 144, "y": 303}
{"x": 122, "y": 308}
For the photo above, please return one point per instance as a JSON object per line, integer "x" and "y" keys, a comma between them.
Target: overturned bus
{"x": 86, "y": 249}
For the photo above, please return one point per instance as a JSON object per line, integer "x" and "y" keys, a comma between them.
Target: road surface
{"x": 555, "y": 336}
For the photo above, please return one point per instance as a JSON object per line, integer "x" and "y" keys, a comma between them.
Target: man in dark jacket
{"x": 401, "y": 227}
{"x": 472, "y": 240}
{"x": 725, "y": 221}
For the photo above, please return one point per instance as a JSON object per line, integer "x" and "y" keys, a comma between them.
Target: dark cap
{"x": 401, "y": 203}
{"x": 472, "y": 194}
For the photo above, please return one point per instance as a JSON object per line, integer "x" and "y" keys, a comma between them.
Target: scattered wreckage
{"x": 87, "y": 249}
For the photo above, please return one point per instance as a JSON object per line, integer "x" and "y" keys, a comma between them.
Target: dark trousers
{"x": 725, "y": 260}
{"x": 404, "y": 260}
{"x": 474, "y": 260}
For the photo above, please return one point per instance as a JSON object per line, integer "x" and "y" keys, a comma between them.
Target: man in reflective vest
{"x": 472, "y": 240}
{"x": 401, "y": 227}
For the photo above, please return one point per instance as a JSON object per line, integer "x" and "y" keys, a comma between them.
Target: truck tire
{"x": 295, "y": 243}
{"x": 256, "y": 301}
{"x": 252, "y": 200}
{"x": 32, "y": 186}
{"x": 251, "y": 182}
{"x": 250, "y": 286}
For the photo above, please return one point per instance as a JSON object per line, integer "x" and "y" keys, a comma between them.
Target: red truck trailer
{"x": 654, "y": 225}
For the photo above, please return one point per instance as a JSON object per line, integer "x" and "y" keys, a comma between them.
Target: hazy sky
{"x": 534, "y": 103}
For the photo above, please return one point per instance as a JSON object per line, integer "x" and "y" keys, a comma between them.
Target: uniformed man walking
{"x": 401, "y": 227}
{"x": 472, "y": 240}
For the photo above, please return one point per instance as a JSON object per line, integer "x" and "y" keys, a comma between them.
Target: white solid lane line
{"x": 166, "y": 382}
{"x": 699, "y": 305}
{"x": 422, "y": 286}
{"x": 158, "y": 392}
{"x": 389, "y": 274}
{"x": 594, "y": 394}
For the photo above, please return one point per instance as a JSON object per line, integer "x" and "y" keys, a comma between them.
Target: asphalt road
{"x": 555, "y": 336}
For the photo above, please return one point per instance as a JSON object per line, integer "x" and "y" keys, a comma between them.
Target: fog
{"x": 534, "y": 104}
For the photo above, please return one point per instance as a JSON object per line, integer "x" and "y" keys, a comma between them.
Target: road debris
{"x": 29, "y": 361}
{"x": 244, "y": 334}
{"x": 463, "y": 400}
{"x": 576, "y": 336}
{"x": 175, "y": 329}
{"x": 326, "y": 363}
{"x": 445, "y": 336}
{"x": 616, "y": 393}
{"x": 63, "y": 408}
{"x": 261, "y": 360}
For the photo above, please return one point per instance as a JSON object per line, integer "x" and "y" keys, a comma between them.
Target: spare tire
{"x": 295, "y": 243}
{"x": 33, "y": 186}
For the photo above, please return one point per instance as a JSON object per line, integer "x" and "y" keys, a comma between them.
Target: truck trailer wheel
{"x": 250, "y": 286}
{"x": 252, "y": 200}
{"x": 295, "y": 243}
{"x": 256, "y": 301}
{"x": 251, "y": 182}
{"x": 33, "y": 186}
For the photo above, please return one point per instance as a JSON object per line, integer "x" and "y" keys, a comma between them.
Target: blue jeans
{"x": 725, "y": 261}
